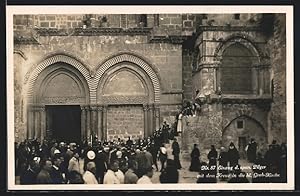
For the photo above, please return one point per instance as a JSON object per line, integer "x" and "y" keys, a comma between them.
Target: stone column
{"x": 145, "y": 109}
{"x": 43, "y": 122}
{"x": 83, "y": 122}
{"x": 30, "y": 122}
{"x": 104, "y": 116}
{"x": 93, "y": 119}
{"x": 256, "y": 82}
{"x": 151, "y": 119}
{"x": 99, "y": 123}
{"x": 157, "y": 117}
{"x": 37, "y": 122}
{"x": 261, "y": 81}
{"x": 88, "y": 122}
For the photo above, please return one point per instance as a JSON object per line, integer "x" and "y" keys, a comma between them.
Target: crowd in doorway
{"x": 268, "y": 168}
{"x": 121, "y": 161}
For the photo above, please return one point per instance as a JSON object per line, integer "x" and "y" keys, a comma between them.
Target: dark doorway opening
{"x": 63, "y": 123}
{"x": 242, "y": 146}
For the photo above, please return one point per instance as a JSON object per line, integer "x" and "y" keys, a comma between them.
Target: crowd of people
{"x": 267, "y": 168}
{"x": 128, "y": 161}
{"x": 104, "y": 162}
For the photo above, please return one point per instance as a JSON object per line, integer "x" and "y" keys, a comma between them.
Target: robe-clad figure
{"x": 195, "y": 161}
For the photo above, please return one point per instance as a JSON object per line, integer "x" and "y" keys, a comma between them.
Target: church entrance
{"x": 63, "y": 123}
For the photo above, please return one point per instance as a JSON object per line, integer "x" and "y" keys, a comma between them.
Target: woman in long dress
{"x": 195, "y": 161}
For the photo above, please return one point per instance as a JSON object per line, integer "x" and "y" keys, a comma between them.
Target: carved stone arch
{"x": 128, "y": 57}
{"x": 66, "y": 71}
{"x": 246, "y": 116}
{"x": 144, "y": 98}
{"x": 31, "y": 76}
{"x": 240, "y": 136}
{"x": 240, "y": 38}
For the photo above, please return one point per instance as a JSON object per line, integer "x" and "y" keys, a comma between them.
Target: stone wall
{"x": 187, "y": 77}
{"x": 278, "y": 114}
{"x": 124, "y": 121}
{"x": 93, "y": 50}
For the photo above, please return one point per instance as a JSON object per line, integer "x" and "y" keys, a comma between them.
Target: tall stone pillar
{"x": 151, "y": 119}
{"x": 30, "y": 122}
{"x": 83, "y": 122}
{"x": 256, "y": 81}
{"x": 104, "y": 113}
{"x": 93, "y": 119}
{"x": 157, "y": 116}
{"x": 145, "y": 109}
{"x": 156, "y": 20}
{"x": 37, "y": 122}
{"x": 43, "y": 122}
{"x": 99, "y": 123}
{"x": 88, "y": 123}
{"x": 261, "y": 81}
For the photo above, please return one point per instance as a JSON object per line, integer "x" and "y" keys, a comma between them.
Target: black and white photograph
{"x": 144, "y": 97}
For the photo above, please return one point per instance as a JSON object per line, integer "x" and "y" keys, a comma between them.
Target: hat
{"x": 91, "y": 154}
{"x": 119, "y": 154}
{"x": 37, "y": 159}
{"x": 56, "y": 151}
{"x": 106, "y": 148}
{"x": 164, "y": 150}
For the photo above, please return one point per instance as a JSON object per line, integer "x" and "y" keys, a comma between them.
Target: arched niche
{"x": 127, "y": 95}
{"x": 240, "y": 130}
{"x": 61, "y": 84}
{"x": 58, "y": 92}
{"x": 125, "y": 83}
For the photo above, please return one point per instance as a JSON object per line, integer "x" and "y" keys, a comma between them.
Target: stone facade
{"x": 149, "y": 66}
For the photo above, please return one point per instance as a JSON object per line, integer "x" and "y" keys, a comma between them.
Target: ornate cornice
{"x": 96, "y": 31}
{"x": 229, "y": 28}
{"x": 263, "y": 100}
{"x": 174, "y": 39}
{"x": 25, "y": 40}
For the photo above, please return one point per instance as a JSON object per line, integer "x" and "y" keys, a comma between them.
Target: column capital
{"x": 99, "y": 108}
{"x": 145, "y": 107}
{"x": 93, "y": 107}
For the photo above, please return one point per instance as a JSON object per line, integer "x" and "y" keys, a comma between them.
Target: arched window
{"x": 236, "y": 70}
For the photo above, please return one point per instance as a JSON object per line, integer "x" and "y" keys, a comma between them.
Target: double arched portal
{"x": 67, "y": 102}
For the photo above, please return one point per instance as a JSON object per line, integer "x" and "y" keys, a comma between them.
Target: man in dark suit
{"x": 29, "y": 175}
{"x": 44, "y": 175}
{"x": 56, "y": 173}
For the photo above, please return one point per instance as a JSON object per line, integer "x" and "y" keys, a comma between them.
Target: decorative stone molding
{"x": 111, "y": 100}
{"x": 127, "y": 58}
{"x": 173, "y": 39}
{"x": 240, "y": 38}
{"x": 93, "y": 31}
{"x": 228, "y": 28}
{"x": 25, "y": 40}
{"x": 31, "y": 76}
{"x": 63, "y": 100}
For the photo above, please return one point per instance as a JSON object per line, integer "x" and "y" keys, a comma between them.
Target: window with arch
{"x": 236, "y": 70}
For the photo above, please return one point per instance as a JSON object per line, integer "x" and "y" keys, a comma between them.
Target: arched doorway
{"x": 240, "y": 130}
{"x": 59, "y": 92}
{"x": 126, "y": 94}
